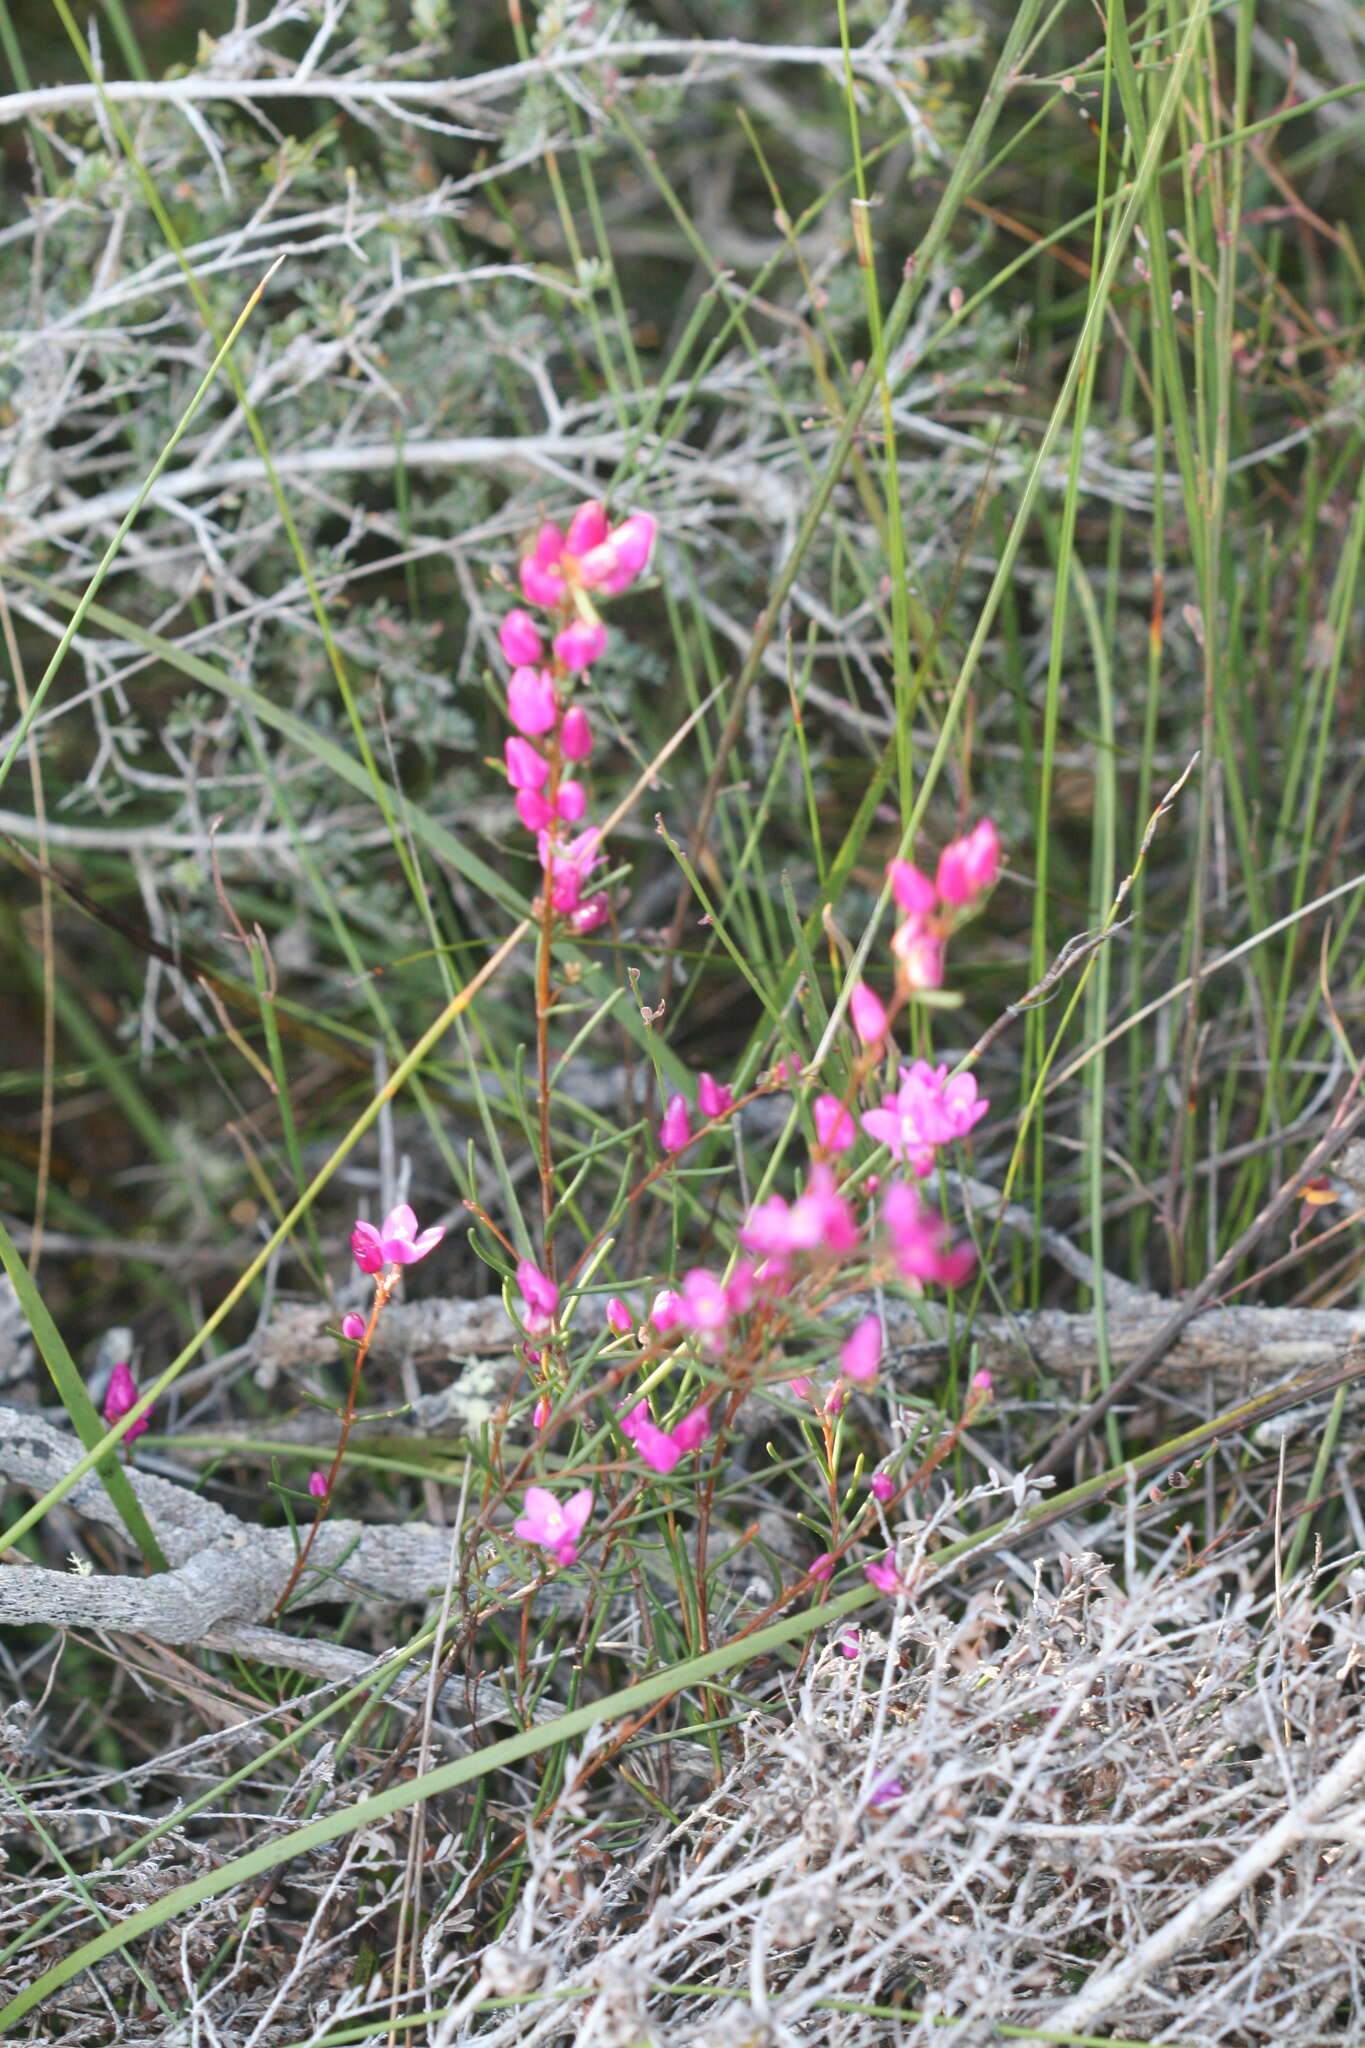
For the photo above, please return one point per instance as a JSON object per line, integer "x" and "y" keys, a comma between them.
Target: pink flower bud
{"x": 800, "y": 1387}
{"x": 531, "y": 702}
{"x": 526, "y": 769}
{"x": 918, "y": 946}
{"x": 365, "y": 1248}
{"x": 353, "y": 1327}
{"x": 540, "y": 1414}
{"x": 121, "y": 1396}
{"x": 834, "y": 1126}
{"x": 542, "y": 580}
{"x": 883, "y": 1487}
{"x": 675, "y": 1129}
{"x": 590, "y": 914}
{"x": 713, "y": 1099}
{"x": 519, "y": 639}
{"x": 913, "y": 891}
{"x": 667, "y": 1311}
{"x": 982, "y": 1384}
{"x": 848, "y": 1642}
{"x": 619, "y": 1318}
{"x": 587, "y": 528}
{"x": 969, "y": 866}
{"x": 868, "y": 1015}
{"x": 317, "y": 1485}
{"x": 821, "y": 1567}
{"x": 571, "y": 801}
{"x": 579, "y": 644}
{"x": 575, "y": 734}
{"x": 534, "y": 810}
{"x": 862, "y": 1351}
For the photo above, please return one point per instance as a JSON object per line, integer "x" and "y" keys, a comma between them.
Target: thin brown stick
{"x": 1341, "y": 1130}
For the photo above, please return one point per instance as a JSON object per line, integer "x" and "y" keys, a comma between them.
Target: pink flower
{"x": 713, "y": 1099}
{"x": 654, "y": 1445}
{"x": 918, "y": 946}
{"x": 575, "y": 734}
{"x": 914, "y": 892}
{"x": 969, "y": 865}
{"x": 862, "y": 1351}
{"x": 885, "y": 1792}
{"x": 883, "y": 1487}
{"x": 943, "y": 1108}
{"x": 884, "y": 1576}
{"x": 579, "y": 644}
{"x": 895, "y": 1125}
{"x": 676, "y": 1129}
{"x": 822, "y": 1567}
{"x": 531, "y": 702}
{"x": 542, "y": 580}
{"x": 353, "y": 1327}
{"x": 620, "y": 1321}
{"x": 705, "y": 1304}
{"x": 741, "y": 1289}
{"x": 834, "y": 1127}
{"x": 535, "y": 811}
{"x": 121, "y": 1396}
{"x": 589, "y": 556}
{"x": 820, "y": 1220}
{"x": 616, "y": 562}
{"x": 848, "y": 1643}
{"x": 919, "y": 1240}
{"x": 519, "y": 639}
{"x": 571, "y": 801}
{"x": 526, "y": 768}
{"x": 567, "y": 867}
{"x": 317, "y": 1485}
{"x": 554, "y": 1528}
{"x": 691, "y": 1433}
{"x": 397, "y": 1243}
{"x": 587, "y": 528}
{"x": 540, "y": 1298}
{"x": 666, "y": 1311}
{"x": 868, "y": 1014}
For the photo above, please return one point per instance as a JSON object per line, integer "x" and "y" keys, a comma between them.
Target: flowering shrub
{"x": 678, "y": 1360}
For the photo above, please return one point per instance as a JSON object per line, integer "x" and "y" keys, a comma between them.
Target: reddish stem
{"x": 383, "y": 1287}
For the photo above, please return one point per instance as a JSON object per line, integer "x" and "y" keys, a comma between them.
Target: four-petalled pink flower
{"x": 555, "y": 1528}
{"x": 396, "y": 1242}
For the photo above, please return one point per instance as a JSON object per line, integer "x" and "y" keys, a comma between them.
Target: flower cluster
{"x": 562, "y": 575}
